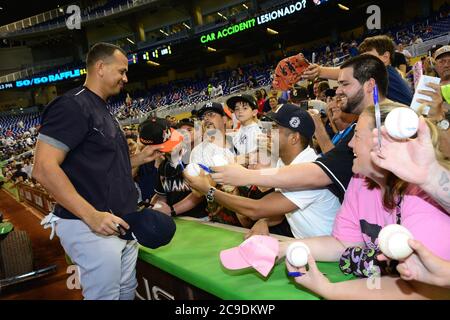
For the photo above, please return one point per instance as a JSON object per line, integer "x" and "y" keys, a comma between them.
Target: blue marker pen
{"x": 377, "y": 114}
{"x": 205, "y": 168}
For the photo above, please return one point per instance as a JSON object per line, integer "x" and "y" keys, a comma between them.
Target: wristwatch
{"x": 444, "y": 124}
{"x": 210, "y": 194}
{"x": 172, "y": 211}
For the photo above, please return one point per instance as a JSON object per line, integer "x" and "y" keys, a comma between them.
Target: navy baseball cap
{"x": 295, "y": 118}
{"x": 213, "y": 107}
{"x": 151, "y": 229}
{"x": 231, "y": 102}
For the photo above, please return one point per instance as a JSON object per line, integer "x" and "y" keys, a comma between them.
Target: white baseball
{"x": 402, "y": 123}
{"x": 193, "y": 169}
{"x": 297, "y": 254}
{"x": 219, "y": 160}
{"x": 393, "y": 241}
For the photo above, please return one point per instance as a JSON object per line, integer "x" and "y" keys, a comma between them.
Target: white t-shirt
{"x": 317, "y": 208}
{"x": 246, "y": 139}
{"x": 205, "y": 151}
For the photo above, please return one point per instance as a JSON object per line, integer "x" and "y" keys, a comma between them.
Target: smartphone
{"x": 304, "y": 105}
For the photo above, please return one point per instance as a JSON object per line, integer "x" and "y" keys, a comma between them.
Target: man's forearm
{"x": 331, "y": 73}
{"x": 323, "y": 139}
{"x": 326, "y": 248}
{"x": 58, "y": 185}
{"x": 136, "y": 160}
{"x": 302, "y": 176}
{"x": 188, "y": 203}
{"x": 438, "y": 186}
{"x": 383, "y": 288}
{"x": 245, "y": 206}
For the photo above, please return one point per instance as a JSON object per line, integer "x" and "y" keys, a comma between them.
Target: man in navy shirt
{"x": 384, "y": 48}
{"x": 82, "y": 159}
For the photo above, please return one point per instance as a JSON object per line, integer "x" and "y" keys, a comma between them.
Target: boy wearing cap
{"x": 246, "y": 109}
{"x": 308, "y": 212}
{"x": 172, "y": 193}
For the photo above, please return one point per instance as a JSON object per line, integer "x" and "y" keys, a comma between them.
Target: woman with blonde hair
{"x": 375, "y": 198}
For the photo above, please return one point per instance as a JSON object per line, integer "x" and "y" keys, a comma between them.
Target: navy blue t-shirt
{"x": 170, "y": 183}
{"x": 97, "y": 160}
{"x": 398, "y": 89}
{"x": 147, "y": 175}
{"x": 337, "y": 165}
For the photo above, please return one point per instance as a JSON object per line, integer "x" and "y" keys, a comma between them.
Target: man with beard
{"x": 357, "y": 79}
{"x": 381, "y": 47}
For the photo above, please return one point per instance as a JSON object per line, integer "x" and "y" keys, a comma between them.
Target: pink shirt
{"x": 362, "y": 216}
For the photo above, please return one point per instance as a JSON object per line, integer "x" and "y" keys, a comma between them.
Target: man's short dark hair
{"x": 366, "y": 67}
{"x": 101, "y": 51}
{"x": 381, "y": 44}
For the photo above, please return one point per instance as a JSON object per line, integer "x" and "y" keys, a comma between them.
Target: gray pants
{"x": 107, "y": 265}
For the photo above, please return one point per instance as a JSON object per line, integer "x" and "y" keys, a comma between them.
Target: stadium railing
{"x": 422, "y": 48}
{"x": 175, "y": 109}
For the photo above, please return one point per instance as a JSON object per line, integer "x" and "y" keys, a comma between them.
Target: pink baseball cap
{"x": 258, "y": 252}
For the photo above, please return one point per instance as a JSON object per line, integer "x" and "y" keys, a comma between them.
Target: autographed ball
{"x": 393, "y": 241}
{"x": 193, "y": 169}
{"x": 297, "y": 254}
{"x": 219, "y": 160}
{"x": 402, "y": 123}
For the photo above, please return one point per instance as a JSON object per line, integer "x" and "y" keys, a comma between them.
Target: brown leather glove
{"x": 289, "y": 72}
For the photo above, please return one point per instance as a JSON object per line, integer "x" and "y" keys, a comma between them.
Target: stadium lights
{"x": 211, "y": 49}
{"x": 271, "y": 31}
{"x": 245, "y": 6}
{"x": 153, "y": 63}
{"x": 222, "y": 15}
{"x": 130, "y": 41}
{"x": 184, "y": 24}
{"x": 342, "y": 7}
{"x": 163, "y": 32}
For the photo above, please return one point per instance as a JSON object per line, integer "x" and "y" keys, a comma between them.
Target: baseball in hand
{"x": 193, "y": 169}
{"x": 219, "y": 160}
{"x": 402, "y": 123}
{"x": 297, "y": 254}
{"x": 393, "y": 241}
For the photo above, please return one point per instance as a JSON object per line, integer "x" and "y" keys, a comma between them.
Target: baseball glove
{"x": 289, "y": 72}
